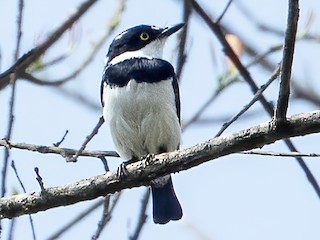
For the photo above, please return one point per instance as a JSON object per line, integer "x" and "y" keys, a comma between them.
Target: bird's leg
{"x": 122, "y": 170}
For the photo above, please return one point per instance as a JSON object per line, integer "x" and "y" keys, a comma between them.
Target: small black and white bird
{"x": 140, "y": 99}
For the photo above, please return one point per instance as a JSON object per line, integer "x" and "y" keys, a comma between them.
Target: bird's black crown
{"x": 133, "y": 39}
{"x": 138, "y": 37}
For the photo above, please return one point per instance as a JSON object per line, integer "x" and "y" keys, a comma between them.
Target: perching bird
{"x": 140, "y": 99}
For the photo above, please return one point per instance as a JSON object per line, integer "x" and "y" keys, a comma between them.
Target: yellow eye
{"x": 144, "y": 36}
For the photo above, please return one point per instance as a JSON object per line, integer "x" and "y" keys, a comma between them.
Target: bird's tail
{"x": 166, "y": 206}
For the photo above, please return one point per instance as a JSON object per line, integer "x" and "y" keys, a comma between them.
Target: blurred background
{"x": 236, "y": 197}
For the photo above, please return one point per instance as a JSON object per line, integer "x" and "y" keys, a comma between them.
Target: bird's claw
{"x": 122, "y": 169}
{"x": 148, "y": 158}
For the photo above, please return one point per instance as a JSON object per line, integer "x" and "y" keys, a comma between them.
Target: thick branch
{"x": 288, "y": 50}
{"x": 246, "y": 75}
{"x": 141, "y": 172}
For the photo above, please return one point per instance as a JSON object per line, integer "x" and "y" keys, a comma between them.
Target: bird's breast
{"x": 142, "y": 117}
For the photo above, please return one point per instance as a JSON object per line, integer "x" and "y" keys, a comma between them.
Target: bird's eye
{"x": 144, "y": 36}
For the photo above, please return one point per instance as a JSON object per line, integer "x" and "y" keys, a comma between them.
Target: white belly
{"x": 142, "y": 118}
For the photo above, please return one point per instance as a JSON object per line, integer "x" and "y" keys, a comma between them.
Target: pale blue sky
{"x": 236, "y": 197}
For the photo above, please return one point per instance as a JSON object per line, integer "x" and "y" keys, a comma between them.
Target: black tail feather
{"x": 166, "y": 206}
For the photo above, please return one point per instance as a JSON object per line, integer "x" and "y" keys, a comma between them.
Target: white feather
{"x": 142, "y": 117}
{"x": 152, "y": 50}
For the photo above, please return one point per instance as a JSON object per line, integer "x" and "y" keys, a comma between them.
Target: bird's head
{"x": 140, "y": 41}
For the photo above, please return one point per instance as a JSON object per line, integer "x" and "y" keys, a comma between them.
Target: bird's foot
{"x": 149, "y": 157}
{"x": 122, "y": 169}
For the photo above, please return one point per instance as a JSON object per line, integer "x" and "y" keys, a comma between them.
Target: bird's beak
{"x": 166, "y": 32}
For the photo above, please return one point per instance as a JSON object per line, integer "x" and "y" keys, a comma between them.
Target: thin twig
{"x": 212, "y": 98}
{"x": 87, "y": 140}
{"x": 12, "y": 78}
{"x": 142, "y": 216}
{"x": 24, "y": 190}
{"x": 38, "y": 81}
{"x": 115, "y": 20}
{"x": 306, "y": 93}
{"x": 57, "y": 144}
{"x": 12, "y": 228}
{"x": 287, "y": 59}
{"x": 198, "y": 113}
{"x": 222, "y": 119}
{"x": 75, "y": 220}
{"x": 39, "y": 179}
{"x": 280, "y": 154}
{"x": 277, "y": 32}
{"x": 257, "y": 59}
{"x": 19, "y": 30}
{"x": 8, "y": 136}
{"x": 105, "y": 163}
{"x": 104, "y": 219}
{"x": 216, "y": 29}
{"x": 17, "y": 176}
{"x": 106, "y": 215}
{"x": 23, "y": 62}
{"x": 112, "y": 26}
{"x": 224, "y": 11}
{"x": 64, "y": 152}
{"x": 79, "y": 98}
{"x": 52, "y": 62}
{"x": 305, "y": 168}
{"x": 254, "y": 99}
{"x": 181, "y": 60}
{"x": 266, "y": 64}
{"x": 196, "y": 116}
{"x": 269, "y": 66}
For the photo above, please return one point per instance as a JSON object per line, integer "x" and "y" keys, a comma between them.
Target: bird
{"x": 141, "y": 104}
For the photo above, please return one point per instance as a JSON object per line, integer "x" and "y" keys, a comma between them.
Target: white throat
{"x": 152, "y": 50}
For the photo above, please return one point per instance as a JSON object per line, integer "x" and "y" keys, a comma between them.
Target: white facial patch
{"x": 152, "y": 50}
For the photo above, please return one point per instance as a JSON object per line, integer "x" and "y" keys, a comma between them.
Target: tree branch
{"x": 76, "y": 220}
{"x": 280, "y": 154}
{"x": 181, "y": 59}
{"x": 87, "y": 140}
{"x": 23, "y": 62}
{"x": 216, "y": 29}
{"x": 142, "y": 215}
{"x": 12, "y": 80}
{"x": 286, "y": 65}
{"x": 142, "y": 172}
{"x": 64, "y": 152}
{"x": 254, "y": 99}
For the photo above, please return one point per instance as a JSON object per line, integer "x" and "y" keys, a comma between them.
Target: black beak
{"x": 166, "y": 32}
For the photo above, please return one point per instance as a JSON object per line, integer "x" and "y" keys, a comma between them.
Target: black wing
{"x": 140, "y": 69}
{"x": 175, "y": 86}
{"x": 103, "y": 82}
